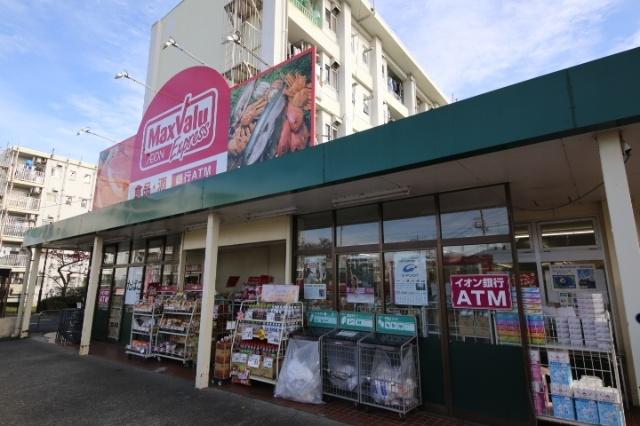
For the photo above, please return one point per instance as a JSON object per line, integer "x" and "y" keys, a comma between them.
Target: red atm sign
{"x": 486, "y": 291}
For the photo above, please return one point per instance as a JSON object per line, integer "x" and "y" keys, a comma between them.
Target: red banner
{"x": 482, "y": 291}
{"x": 114, "y": 174}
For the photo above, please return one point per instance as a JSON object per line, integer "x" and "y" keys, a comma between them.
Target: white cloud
{"x": 471, "y": 46}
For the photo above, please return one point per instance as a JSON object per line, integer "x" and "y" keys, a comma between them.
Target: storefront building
{"x": 537, "y": 181}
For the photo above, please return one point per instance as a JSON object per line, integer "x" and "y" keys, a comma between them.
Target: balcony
{"x": 29, "y": 175}
{"x": 306, "y": 7}
{"x": 14, "y": 260}
{"x": 23, "y": 203}
{"x": 14, "y": 229}
{"x": 5, "y": 160}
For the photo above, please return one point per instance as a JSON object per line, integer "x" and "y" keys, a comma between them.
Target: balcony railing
{"x": 305, "y": 6}
{"x": 29, "y": 175}
{"x": 23, "y": 203}
{"x": 5, "y": 160}
{"x": 16, "y": 260}
{"x": 15, "y": 229}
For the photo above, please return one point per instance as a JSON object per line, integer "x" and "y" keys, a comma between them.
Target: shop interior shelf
{"x": 571, "y": 348}
{"x": 262, "y": 379}
{"x": 143, "y": 332}
{"x": 143, "y": 314}
{"x": 173, "y": 333}
{"x": 558, "y": 420}
{"x": 179, "y": 313}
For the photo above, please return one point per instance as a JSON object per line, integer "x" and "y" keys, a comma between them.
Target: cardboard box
{"x": 561, "y": 389}
{"x": 560, "y": 373}
{"x": 587, "y": 411}
{"x": 563, "y": 407}
{"x": 610, "y": 414}
{"x": 558, "y": 356}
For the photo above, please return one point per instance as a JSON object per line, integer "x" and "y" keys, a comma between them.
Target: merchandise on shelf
{"x": 610, "y": 414}
{"x": 222, "y": 365}
{"x": 563, "y": 407}
{"x": 139, "y": 346}
{"x": 143, "y": 324}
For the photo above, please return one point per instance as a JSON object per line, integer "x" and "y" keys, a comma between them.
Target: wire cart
{"x": 340, "y": 360}
{"x": 143, "y": 329}
{"x": 390, "y": 365}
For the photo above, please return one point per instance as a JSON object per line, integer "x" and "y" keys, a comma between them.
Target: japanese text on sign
{"x": 487, "y": 291}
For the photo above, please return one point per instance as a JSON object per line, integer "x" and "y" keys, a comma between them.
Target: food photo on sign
{"x": 273, "y": 114}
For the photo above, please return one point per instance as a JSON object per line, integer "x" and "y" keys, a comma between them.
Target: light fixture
{"x": 370, "y": 197}
{"x": 125, "y": 74}
{"x": 272, "y": 213}
{"x": 236, "y": 38}
{"x": 90, "y": 132}
{"x": 155, "y": 233}
{"x": 561, "y": 233}
{"x": 171, "y": 42}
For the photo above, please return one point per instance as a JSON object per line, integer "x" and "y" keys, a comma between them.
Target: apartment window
{"x": 395, "y": 86}
{"x": 52, "y": 197}
{"x": 331, "y": 16}
{"x": 87, "y": 178}
{"x": 365, "y": 103}
{"x": 83, "y": 203}
{"x": 72, "y": 175}
{"x": 50, "y": 219}
{"x": 331, "y": 74}
{"x": 68, "y": 200}
{"x": 330, "y": 132}
{"x": 57, "y": 170}
{"x": 365, "y": 54}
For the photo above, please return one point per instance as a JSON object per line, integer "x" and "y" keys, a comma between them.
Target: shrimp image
{"x": 295, "y": 133}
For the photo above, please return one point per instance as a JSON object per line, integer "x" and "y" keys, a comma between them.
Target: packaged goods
{"x": 610, "y": 414}
{"x": 563, "y": 407}
{"x": 587, "y": 411}
{"x": 560, "y": 373}
{"x": 393, "y": 383}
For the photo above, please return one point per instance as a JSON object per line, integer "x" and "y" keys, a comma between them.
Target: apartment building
{"x": 37, "y": 188}
{"x": 365, "y": 75}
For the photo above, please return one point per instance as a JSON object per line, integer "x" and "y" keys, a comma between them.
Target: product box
{"x": 563, "y": 407}
{"x": 610, "y": 414}
{"x": 534, "y": 356}
{"x": 561, "y": 389}
{"x": 587, "y": 411}
{"x": 560, "y": 373}
{"x": 608, "y": 394}
{"x": 221, "y": 371}
{"x": 558, "y": 356}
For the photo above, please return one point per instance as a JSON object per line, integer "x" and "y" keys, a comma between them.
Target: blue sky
{"x": 58, "y": 58}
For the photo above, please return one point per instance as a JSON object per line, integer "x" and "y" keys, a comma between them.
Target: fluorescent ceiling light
{"x": 561, "y": 233}
{"x": 154, "y": 233}
{"x": 272, "y": 213}
{"x": 369, "y": 197}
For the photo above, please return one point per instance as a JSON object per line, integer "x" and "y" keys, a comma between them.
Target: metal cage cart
{"x": 340, "y": 360}
{"x": 390, "y": 365}
{"x": 143, "y": 329}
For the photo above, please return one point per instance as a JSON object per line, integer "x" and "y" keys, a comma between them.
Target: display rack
{"x": 143, "y": 329}
{"x": 177, "y": 335}
{"x": 260, "y": 339}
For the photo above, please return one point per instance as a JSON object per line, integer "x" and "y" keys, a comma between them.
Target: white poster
{"x": 410, "y": 279}
{"x": 134, "y": 285}
{"x": 315, "y": 291}
{"x": 573, "y": 277}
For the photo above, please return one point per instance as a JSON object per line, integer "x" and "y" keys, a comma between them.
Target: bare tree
{"x": 66, "y": 263}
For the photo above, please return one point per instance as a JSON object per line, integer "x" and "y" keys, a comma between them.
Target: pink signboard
{"x": 103, "y": 298}
{"x": 482, "y": 291}
{"x": 183, "y": 134}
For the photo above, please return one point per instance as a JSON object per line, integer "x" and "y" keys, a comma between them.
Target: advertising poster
{"x": 481, "y": 291}
{"x": 103, "y": 298}
{"x": 360, "y": 279}
{"x": 410, "y": 279}
{"x": 134, "y": 285}
{"x": 280, "y": 293}
{"x": 114, "y": 174}
{"x": 183, "y": 134}
{"x": 573, "y": 277}
{"x": 314, "y": 276}
{"x": 274, "y": 113}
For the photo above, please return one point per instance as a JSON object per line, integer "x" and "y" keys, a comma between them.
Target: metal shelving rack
{"x": 146, "y": 334}
{"x": 186, "y": 336}
{"x": 291, "y": 319}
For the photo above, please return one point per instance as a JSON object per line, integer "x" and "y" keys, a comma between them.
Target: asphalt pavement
{"x": 45, "y": 384}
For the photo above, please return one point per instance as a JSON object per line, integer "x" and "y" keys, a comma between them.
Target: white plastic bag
{"x": 393, "y": 383}
{"x": 343, "y": 373}
{"x": 300, "y": 379}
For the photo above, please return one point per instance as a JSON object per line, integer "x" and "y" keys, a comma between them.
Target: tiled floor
{"x": 338, "y": 410}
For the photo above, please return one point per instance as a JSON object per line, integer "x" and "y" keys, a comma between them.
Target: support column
{"x": 92, "y": 291}
{"x": 625, "y": 242}
{"x": 31, "y": 289}
{"x": 274, "y": 21}
{"x": 379, "y": 84}
{"x": 288, "y": 262}
{"x": 208, "y": 301}
{"x": 23, "y": 296}
{"x": 346, "y": 71}
{"x": 410, "y": 95}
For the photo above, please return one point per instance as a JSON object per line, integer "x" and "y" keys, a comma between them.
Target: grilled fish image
{"x": 242, "y": 103}
{"x": 265, "y": 128}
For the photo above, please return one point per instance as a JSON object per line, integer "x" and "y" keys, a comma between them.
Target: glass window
{"x": 119, "y": 281}
{"x": 104, "y": 292}
{"x": 109, "y": 255}
{"x": 169, "y": 275}
{"x": 171, "y": 249}
{"x": 523, "y": 237}
{"x": 480, "y": 325}
{"x": 411, "y": 287}
{"x": 409, "y": 220}
{"x": 152, "y": 277}
{"x": 474, "y": 213}
{"x": 357, "y": 226}
{"x": 360, "y": 278}
{"x": 568, "y": 234}
{"x": 315, "y": 231}
{"x": 316, "y": 281}
{"x": 123, "y": 253}
{"x": 154, "y": 253}
{"x": 137, "y": 256}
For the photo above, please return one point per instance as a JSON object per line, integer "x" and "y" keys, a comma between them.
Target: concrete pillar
{"x": 208, "y": 301}
{"x": 274, "y": 26}
{"x": 288, "y": 256}
{"x": 181, "y": 262}
{"x": 23, "y": 297}
{"x": 625, "y": 242}
{"x": 410, "y": 95}
{"x": 379, "y": 84}
{"x": 31, "y": 289}
{"x": 345, "y": 90}
{"x": 92, "y": 292}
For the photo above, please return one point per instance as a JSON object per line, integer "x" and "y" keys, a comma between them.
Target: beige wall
{"x": 273, "y": 229}
{"x": 6, "y": 326}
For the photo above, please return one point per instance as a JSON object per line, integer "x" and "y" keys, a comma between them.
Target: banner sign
{"x": 183, "y": 134}
{"x": 323, "y": 319}
{"x": 280, "y": 293}
{"x": 482, "y": 291}
{"x": 410, "y": 279}
{"x": 396, "y": 324}
{"x": 360, "y": 321}
{"x": 114, "y": 174}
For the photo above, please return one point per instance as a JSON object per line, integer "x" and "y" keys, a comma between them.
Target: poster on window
{"x": 410, "y": 279}
{"x": 314, "y": 276}
{"x": 360, "y": 280}
{"x": 573, "y": 277}
{"x": 134, "y": 285}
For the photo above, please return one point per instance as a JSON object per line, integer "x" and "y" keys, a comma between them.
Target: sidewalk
{"x": 45, "y": 384}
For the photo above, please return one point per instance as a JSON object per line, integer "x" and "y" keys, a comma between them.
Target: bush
{"x": 55, "y": 303}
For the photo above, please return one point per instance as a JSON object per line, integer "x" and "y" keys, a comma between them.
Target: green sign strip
{"x": 396, "y": 324}
{"x": 358, "y": 321}
{"x": 323, "y": 319}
